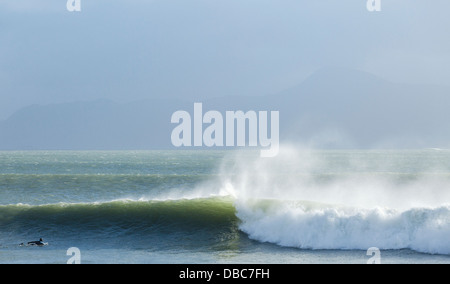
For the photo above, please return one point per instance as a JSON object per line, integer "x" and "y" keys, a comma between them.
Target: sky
{"x": 127, "y": 50}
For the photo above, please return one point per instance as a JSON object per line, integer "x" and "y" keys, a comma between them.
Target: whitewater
{"x": 345, "y": 201}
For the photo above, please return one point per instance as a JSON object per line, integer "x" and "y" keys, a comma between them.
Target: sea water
{"x": 303, "y": 206}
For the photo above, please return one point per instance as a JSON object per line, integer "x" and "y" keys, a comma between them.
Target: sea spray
{"x": 366, "y": 179}
{"x": 342, "y": 199}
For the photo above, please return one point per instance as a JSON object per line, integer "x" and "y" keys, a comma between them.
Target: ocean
{"x": 226, "y": 207}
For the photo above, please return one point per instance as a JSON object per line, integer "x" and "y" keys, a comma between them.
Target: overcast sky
{"x": 127, "y": 50}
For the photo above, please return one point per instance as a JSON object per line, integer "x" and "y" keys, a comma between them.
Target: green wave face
{"x": 133, "y": 222}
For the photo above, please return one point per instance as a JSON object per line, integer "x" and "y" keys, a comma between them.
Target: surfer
{"x": 37, "y": 243}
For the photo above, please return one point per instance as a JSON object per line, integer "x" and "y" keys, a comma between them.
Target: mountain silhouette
{"x": 332, "y": 108}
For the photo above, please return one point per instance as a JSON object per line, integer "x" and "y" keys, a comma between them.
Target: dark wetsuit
{"x": 36, "y": 243}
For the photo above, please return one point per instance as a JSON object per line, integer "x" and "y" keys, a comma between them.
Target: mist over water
{"x": 343, "y": 199}
{"x": 367, "y": 179}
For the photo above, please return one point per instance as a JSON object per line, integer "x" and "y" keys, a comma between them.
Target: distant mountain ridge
{"x": 332, "y": 108}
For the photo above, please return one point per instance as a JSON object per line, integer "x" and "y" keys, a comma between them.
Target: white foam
{"x": 330, "y": 227}
{"x": 344, "y": 210}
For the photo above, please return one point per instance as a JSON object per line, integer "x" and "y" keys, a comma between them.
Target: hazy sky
{"x": 126, "y": 50}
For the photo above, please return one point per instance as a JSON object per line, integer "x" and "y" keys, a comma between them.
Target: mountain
{"x": 332, "y": 108}
{"x": 96, "y": 125}
{"x": 368, "y": 110}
